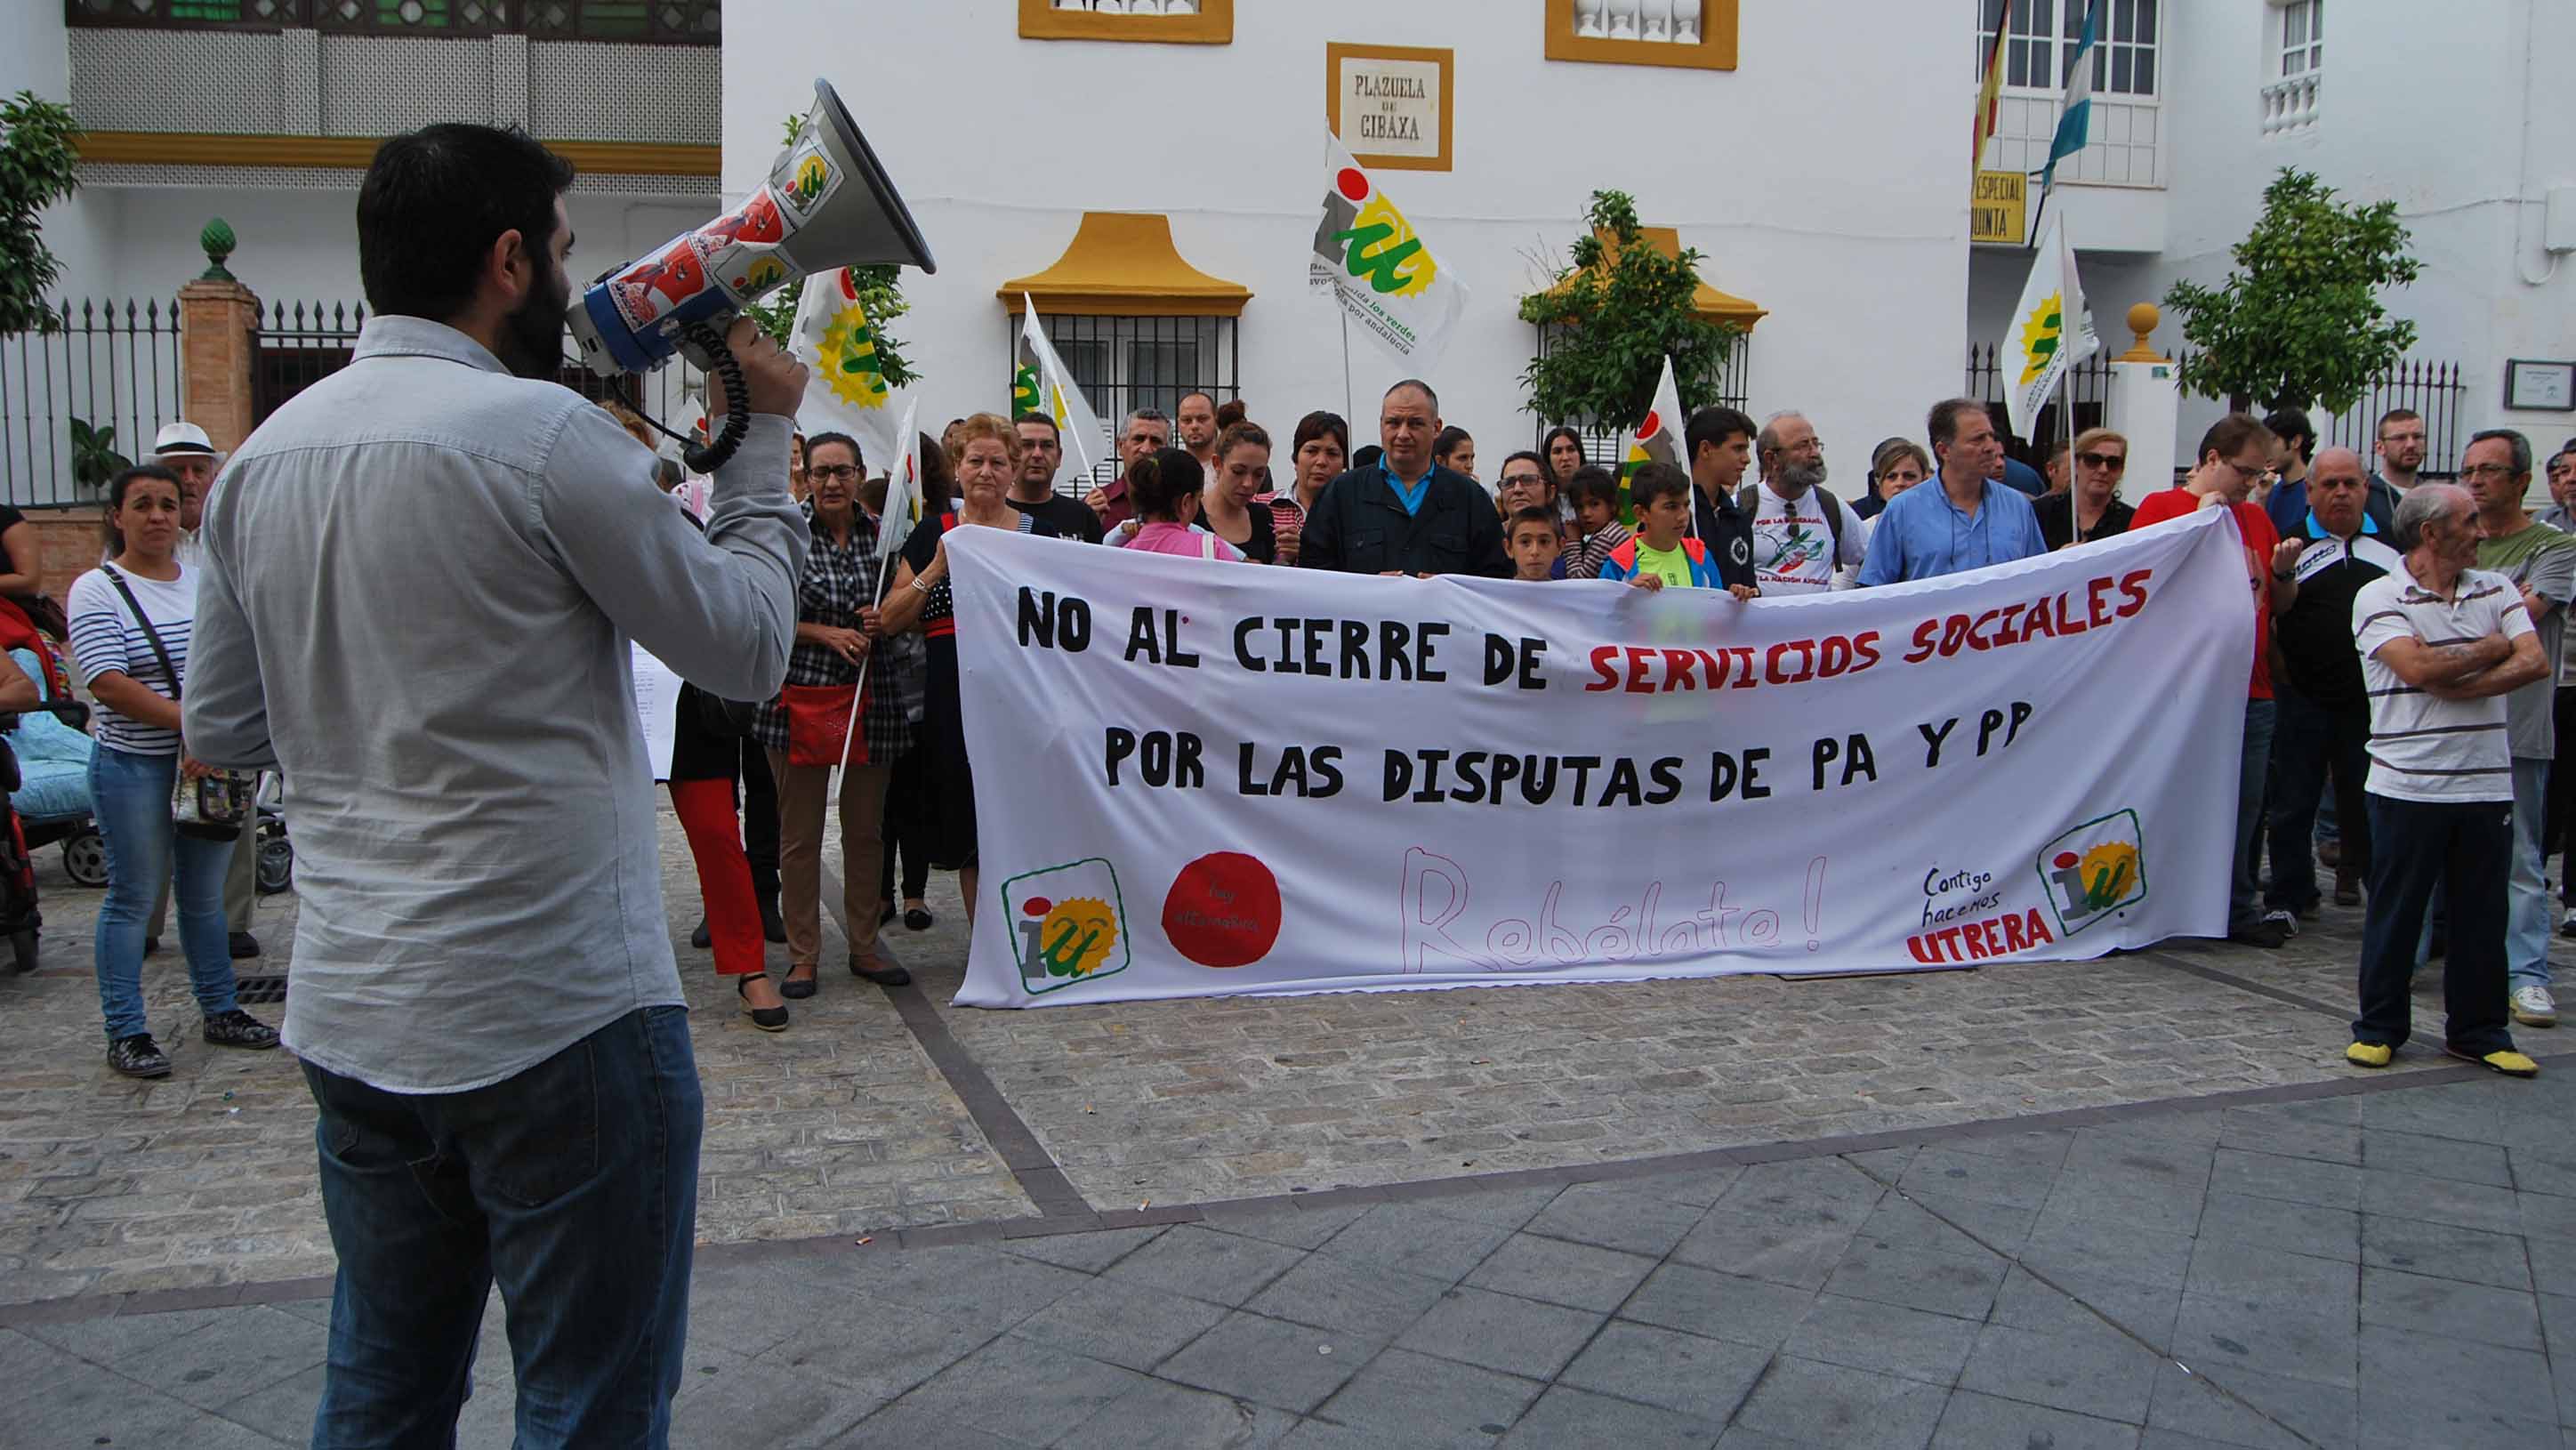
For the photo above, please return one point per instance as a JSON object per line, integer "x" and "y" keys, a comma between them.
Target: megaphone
{"x": 827, "y": 204}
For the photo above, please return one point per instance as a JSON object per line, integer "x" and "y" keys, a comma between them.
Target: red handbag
{"x": 818, "y": 726}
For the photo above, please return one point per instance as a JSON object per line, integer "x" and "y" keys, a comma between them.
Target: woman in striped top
{"x": 141, "y": 596}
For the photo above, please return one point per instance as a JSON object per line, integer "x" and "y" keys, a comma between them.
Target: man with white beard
{"x": 1803, "y": 537}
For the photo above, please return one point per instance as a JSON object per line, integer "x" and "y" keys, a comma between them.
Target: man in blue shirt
{"x": 1405, "y": 514}
{"x": 1960, "y": 518}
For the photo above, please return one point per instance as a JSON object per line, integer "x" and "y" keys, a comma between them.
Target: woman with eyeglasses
{"x": 2090, "y": 508}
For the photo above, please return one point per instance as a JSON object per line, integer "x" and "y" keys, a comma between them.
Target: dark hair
{"x": 1446, "y": 443}
{"x": 2519, "y": 446}
{"x": 1942, "y": 427}
{"x": 1199, "y": 393}
{"x": 1430, "y": 396}
{"x": 1547, "y": 445}
{"x": 1652, "y": 481}
{"x": 116, "y": 490}
{"x": 1158, "y": 481}
{"x": 1229, "y": 413}
{"x": 1367, "y": 456}
{"x": 1321, "y": 425}
{"x": 1237, "y": 435}
{"x": 1533, "y": 515}
{"x": 1041, "y": 419}
{"x": 1544, "y": 471}
{"x": 1593, "y": 481}
{"x": 2396, "y": 415}
{"x": 1712, "y": 427}
{"x": 938, "y": 480}
{"x": 858, "y": 455}
{"x": 2229, "y": 434}
{"x": 433, "y": 202}
{"x": 2291, "y": 425}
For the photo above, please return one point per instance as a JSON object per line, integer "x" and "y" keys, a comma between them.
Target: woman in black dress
{"x": 988, "y": 458}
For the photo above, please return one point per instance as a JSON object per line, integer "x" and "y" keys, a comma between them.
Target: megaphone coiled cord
{"x": 721, "y": 362}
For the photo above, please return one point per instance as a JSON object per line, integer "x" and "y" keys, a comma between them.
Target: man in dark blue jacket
{"x": 1406, "y": 514}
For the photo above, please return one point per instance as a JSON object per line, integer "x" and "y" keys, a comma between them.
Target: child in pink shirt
{"x": 1164, "y": 486}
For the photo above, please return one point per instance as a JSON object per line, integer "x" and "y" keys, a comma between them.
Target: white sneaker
{"x": 2567, "y": 923}
{"x": 2533, "y": 1007}
{"x": 2289, "y": 921}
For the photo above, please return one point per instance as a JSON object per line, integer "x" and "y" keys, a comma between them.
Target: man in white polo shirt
{"x": 2442, "y": 643}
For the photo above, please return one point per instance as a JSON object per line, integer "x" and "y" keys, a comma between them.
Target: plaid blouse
{"x": 838, "y": 580}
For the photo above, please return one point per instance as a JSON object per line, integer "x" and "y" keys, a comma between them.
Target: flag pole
{"x": 1347, "y": 408}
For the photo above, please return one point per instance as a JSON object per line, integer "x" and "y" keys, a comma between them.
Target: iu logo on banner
{"x": 1068, "y": 924}
{"x": 2093, "y": 871}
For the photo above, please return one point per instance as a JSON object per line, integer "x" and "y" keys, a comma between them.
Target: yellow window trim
{"x": 200, "y": 148}
{"x": 1123, "y": 264}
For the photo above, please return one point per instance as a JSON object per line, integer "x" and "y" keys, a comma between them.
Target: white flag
{"x": 1050, "y": 389}
{"x": 903, "y": 489}
{"x": 1658, "y": 439}
{"x": 1368, "y": 255}
{"x": 846, "y": 393}
{"x": 2048, "y": 332}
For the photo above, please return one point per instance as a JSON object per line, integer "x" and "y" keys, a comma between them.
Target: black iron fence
{"x": 673, "y": 22}
{"x": 298, "y": 345}
{"x": 2431, "y": 389}
{"x": 1734, "y": 390}
{"x": 1123, "y": 364}
{"x": 80, "y": 400}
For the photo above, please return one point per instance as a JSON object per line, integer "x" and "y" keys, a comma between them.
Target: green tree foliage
{"x": 95, "y": 461}
{"x": 2299, "y": 321}
{"x": 1618, "y": 312}
{"x": 880, "y": 289}
{"x": 36, "y": 170}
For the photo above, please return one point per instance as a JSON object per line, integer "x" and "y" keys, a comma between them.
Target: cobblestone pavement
{"x": 2394, "y": 1265}
{"x": 881, "y": 1112}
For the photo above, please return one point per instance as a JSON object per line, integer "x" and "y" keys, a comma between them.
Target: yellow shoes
{"x": 2508, "y": 1062}
{"x": 2369, "y": 1054}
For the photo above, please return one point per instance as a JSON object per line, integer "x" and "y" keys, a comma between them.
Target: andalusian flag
{"x": 2075, "y": 118}
{"x": 2048, "y": 332}
{"x": 1041, "y": 384}
{"x": 1658, "y": 439}
{"x": 845, "y": 393}
{"x": 1990, "y": 88}
{"x": 1368, "y": 257}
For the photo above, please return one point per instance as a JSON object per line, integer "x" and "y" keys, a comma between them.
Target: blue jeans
{"x": 130, "y": 796}
{"x": 574, "y": 1184}
{"x": 2526, "y": 922}
{"x": 2244, "y": 908}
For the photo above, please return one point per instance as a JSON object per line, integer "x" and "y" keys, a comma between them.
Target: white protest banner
{"x": 1201, "y": 779}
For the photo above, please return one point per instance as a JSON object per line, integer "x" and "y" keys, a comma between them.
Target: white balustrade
{"x": 1623, "y": 19}
{"x": 1131, "y": 7}
{"x": 1587, "y": 19}
{"x": 2290, "y": 104}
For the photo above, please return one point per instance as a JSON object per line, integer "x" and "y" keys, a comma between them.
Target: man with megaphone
{"x": 421, "y": 578}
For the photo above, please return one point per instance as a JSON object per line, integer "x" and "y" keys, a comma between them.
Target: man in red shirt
{"x": 2233, "y": 455}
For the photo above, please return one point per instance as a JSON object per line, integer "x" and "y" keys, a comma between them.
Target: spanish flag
{"x": 1990, "y": 90}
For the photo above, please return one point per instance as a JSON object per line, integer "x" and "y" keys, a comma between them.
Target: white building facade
{"x": 1821, "y": 176}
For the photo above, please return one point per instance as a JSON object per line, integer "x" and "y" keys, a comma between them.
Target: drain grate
{"x": 255, "y": 990}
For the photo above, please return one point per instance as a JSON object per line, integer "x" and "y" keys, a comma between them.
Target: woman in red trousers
{"x": 706, "y": 751}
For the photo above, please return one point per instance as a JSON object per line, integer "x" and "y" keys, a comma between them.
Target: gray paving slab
{"x": 1363, "y": 1299}
{"x": 1496, "y": 1331}
{"x": 1415, "y": 1399}
{"x": 1886, "y": 1338}
{"x": 2282, "y": 1225}
{"x": 2237, "y": 1406}
{"x": 1805, "y": 1402}
{"x": 1623, "y": 1216}
{"x": 1973, "y": 1421}
{"x": 1418, "y": 1239}
{"x": 1159, "y": 1416}
{"x": 2099, "y": 1371}
{"x": 1126, "y": 1324}
{"x": 1022, "y": 1390}
{"x": 1731, "y": 1307}
{"x": 1580, "y": 1276}
{"x": 1204, "y": 1264}
{"x": 1087, "y": 1253}
{"x": 1291, "y": 1367}
{"x": 1705, "y": 1379}
{"x": 1960, "y": 1285}
{"x": 2507, "y": 1317}
{"x": 1567, "y": 1416}
{"x": 2077, "y": 1297}
{"x": 1804, "y": 1255}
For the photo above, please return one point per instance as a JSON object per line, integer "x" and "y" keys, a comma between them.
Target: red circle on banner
{"x": 1653, "y": 425}
{"x": 1353, "y": 183}
{"x": 1223, "y": 910}
{"x": 849, "y": 286}
{"x": 1036, "y": 906}
{"x": 2066, "y": 860}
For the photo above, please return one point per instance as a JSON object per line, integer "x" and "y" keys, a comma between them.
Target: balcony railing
{"x": 2290, "y": 104}
{"x": 664, "y": 22}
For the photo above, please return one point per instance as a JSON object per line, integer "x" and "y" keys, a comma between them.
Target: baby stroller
{"x": 51, "y": 779}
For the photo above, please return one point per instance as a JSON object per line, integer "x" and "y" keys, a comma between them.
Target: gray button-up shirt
{"x": 421, "y": 576}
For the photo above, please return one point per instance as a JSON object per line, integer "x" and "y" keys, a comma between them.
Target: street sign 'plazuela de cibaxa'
{"x": 1218, "y": 779}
